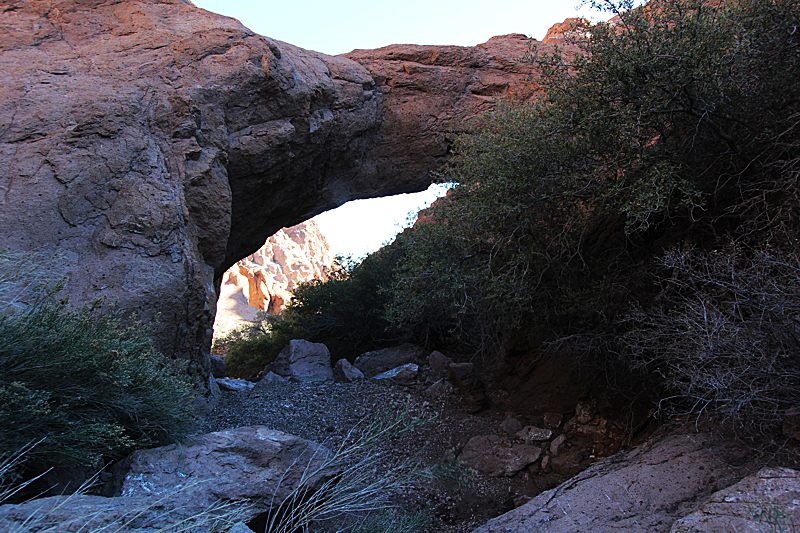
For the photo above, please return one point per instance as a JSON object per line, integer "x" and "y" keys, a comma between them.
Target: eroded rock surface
{"x": 265, "y": 280}
{"x": 245, "y": 468}
{"x": 153, "y": 144}
{"x": 645, "y": 489}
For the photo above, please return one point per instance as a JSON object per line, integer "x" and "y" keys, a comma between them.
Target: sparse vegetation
{"x": 83, "y": 385}
{"x": 358, "y": 494}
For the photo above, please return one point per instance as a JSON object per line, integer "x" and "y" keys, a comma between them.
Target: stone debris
{"x": 344, "y": 372}
{"x": 533, "y": 434}
{"x": 405, "y": 372}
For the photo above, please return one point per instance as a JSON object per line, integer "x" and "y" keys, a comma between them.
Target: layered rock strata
{"x": 266, "y": 279}
{"x": 153, "y": 144}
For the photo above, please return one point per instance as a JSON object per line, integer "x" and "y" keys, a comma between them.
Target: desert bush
{"x": 724, "y": 336}
{"x": 345, "y": 313}
{"x": 85, "y": 385}
{"x": 250, "y": 348}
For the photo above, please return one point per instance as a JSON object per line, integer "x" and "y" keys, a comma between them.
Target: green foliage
{"x": 85, "y": 385}
{"x": 345, "y": 313}
{"x": 250, "y": 348}
{"x": 677, "y": 125}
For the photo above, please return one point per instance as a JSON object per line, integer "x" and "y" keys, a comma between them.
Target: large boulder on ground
{"x": 239, "y": 470}
{"x": 767, "y": 501}
{"x": 645, "y": 489}
{"x": 373, "y": 363}
{"x": 251, "y": 465}
{"x": 304, "y": 361}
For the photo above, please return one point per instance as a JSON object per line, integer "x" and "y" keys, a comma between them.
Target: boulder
{"x": 304, "y": 361}
{"x": 495, "y": 456}
{"x": 767, "y": 501}
{"x": 401, "y": 373}
{"x": 237, "y": 470}
{"x": 373, "y": 363}
{"x": 251, "y": 465}
{"x": 439, "y": 363}
{"x": 645, "y": 489}
{"x": 217, "y": 367}
{"x": 267, "y": 380}
{"x": 344, "y": 372}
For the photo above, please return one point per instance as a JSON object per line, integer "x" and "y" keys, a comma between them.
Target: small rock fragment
{"x": 511, "y": 425}
{"x": 557, "y": 443}
{"x": 534, "y": 434}
{"x": 553, "y": 420}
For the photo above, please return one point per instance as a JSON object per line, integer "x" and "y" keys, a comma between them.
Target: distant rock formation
{"x": 265, "y": 280}
{"x": 152, "y": 144}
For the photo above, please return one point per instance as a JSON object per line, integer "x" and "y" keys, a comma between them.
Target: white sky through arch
{"x": 339, "y": 26}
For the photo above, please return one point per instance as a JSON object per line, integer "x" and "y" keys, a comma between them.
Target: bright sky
{"x": 339, "y": 26}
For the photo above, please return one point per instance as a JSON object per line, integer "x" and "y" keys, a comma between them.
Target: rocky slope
{"x": 265, "y": 280}
{"x": 153, "y": 144}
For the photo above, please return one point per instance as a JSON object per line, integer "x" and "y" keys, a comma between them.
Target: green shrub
{"x": 86, "y": 386}
{"x": 250, "y": 348}
{"x": 345, "y": 313}
{"x": 674, "y": 127}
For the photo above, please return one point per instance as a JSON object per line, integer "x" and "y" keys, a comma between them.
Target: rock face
{"x": 265, "y": 280}
{"x": 153, "y": 144}
{"x": 767, "y": 501}
{"x": 243, "y": 468}
{"x": 645, "y": 489}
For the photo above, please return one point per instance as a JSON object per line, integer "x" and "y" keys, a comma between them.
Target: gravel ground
{"x": 458, "y": 500}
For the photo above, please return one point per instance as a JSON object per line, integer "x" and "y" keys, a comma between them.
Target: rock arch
{"x": 152, "y": 144}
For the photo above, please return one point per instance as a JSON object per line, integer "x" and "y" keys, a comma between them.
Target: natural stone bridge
{"x": 152, "y": 144}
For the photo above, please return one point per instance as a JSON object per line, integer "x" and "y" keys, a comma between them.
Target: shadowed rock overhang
{"x": 152, "y": 144}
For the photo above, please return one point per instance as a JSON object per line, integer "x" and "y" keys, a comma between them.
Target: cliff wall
{"x": 153, "y": 144}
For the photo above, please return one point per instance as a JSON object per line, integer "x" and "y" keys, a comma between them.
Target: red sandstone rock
{"x": 153, "y": 144}
{"x": 265, "y": 280}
